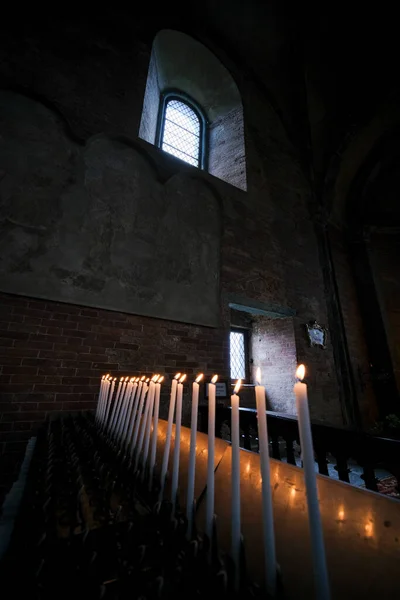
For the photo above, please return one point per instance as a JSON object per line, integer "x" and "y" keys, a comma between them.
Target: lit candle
{"x": 109, "y": 402}
{"x": 235, "y": 478}
{"x": 192, "y": 456}
{"x": 167, "y": 446}
{"x": 135, "y": 407}
{"x": 139, "y": 416}
{"x": 119, "y": 410}
{"x": 177, "y": 446}
{"x": 98, "y": 407}
{"x": 106, "y": 388}
{"x": 211, "y": 454}
{"x": 129, "y": 410}
{"x": 143, "y": 424}
{"x": 116, "y": 404}
{"x": 124, "y": 409}
{"x": 310, "y": 479}
{"x": 155, "y": 430}
{"x": 268, "y": 516}
{"x": 146, "y": 445}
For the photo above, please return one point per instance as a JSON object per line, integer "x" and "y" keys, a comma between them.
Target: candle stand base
{"x": 89, "y": 526}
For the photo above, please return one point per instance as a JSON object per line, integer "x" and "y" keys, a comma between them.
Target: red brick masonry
{"x": 52, "y": 356}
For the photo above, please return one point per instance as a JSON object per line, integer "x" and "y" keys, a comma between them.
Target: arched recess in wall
{"x": 180, "y": 63}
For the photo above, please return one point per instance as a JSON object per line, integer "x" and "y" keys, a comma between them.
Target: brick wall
{"x": 52, "y": 356}
{"x": 227, "y": 159}
{"x": 273, "y": 349}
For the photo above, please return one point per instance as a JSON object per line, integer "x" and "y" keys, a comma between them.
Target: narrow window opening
{"x": 239, "y": 354}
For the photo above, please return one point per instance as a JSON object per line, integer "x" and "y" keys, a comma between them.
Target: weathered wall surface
{"x": 94, "y": 226}
{"x": 110, "y": 221}
{"x": 273, "y": 349}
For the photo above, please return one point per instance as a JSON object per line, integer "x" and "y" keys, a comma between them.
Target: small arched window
{"x": 182, "y": 130}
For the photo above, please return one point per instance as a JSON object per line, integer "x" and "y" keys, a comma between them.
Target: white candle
{"x": 100, "y": 404}
{"x": 210, "y": 460}
{"x": 143, "y": 423}
{"x": 98, "y": 407}
{"x": 118, "y": 412}
{"x": 124, "y": 409}
{"x": 103, "y": 405}
{"x": 268, "y": 516}
{"x": 139, "y": 416}
{"x": 147, "y": 423}
{"x": 129, "y": 411}
{"x": 167, "y": 446}
{"x": 310, "y": 479}
{"x": 132, "y": 420}
{"x": 109, "y": 402}
{"x": 116, "y": 405}
{"x": 155, "y": 430}
{"x": 235, "y": 479}
{"x": 192, "y": 456}
{"x": 177, "y": 446}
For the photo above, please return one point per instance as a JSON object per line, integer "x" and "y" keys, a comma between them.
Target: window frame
{"x": 246, "y": 341}
{"x": 167, "y": 97}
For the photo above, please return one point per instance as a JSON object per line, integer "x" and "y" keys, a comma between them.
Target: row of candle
{"x": 129, "y": 422}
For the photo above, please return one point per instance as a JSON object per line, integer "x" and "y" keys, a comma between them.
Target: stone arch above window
{"x": 181, "y": 65}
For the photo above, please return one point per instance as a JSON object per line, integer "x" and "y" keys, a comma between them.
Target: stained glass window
{"x": 238, "y": 355}
{"x": 181, "y": 133}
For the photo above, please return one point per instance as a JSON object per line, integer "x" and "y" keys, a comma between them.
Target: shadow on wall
{"x": 93, "y": 225}
{"x": 178, "y": 62}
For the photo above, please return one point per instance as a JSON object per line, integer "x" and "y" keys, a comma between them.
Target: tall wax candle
{"x": 155, "y": 430}
{"x": 192, "y": 456}
{"x": 235, "y": 479}
{"x": 124, "y": 409}
{"x": 211, "y": 457}
{"x": 100, "y": 404}
{"x": 109, "y": 403}
{"x": 115, "y": 405}
{"x": 147, "y": 433}
{"x": 143, "y": 425}
{"x": 118, "y": 411}
{"x": 177, "y": 446}
{"x": 98, "y": 407}
{"x": 317, "y": 538}
{"x": 135, "y": 407}
{"x": 139, "y": 417}
{"x": 268, "y": 516}
{"x": 171, "y": 411}
{"x": 106, "y": 385}
{"x": 129, "y": 411}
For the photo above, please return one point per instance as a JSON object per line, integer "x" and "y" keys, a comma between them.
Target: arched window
{"x": 204, "y": 125}
{"x": 182, "y": 129}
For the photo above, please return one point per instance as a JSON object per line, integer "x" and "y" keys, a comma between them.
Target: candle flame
{"x": 258, "y": 376}
{"x": 126, "y": 378}
{"x": 121, "y": 379}
{"x": 177, "y": 376}
{"x": 107, "y": 376}
{"x": 301, "y": 371}
{"x": 182, "y": 379}
{"x": 155, "y": 377}
{"x": 161, "y": 379}
{"x": 237, "y": 386}
{"x": 147, "y": 380}
{"x": 132, "y": 379}
{"x": 103, "y": 377}
{"x": 143, "y": 378}
{"x": 214, "y": 379}
{"x": 115, "y": 379}
{"x": 199, "y": 377}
